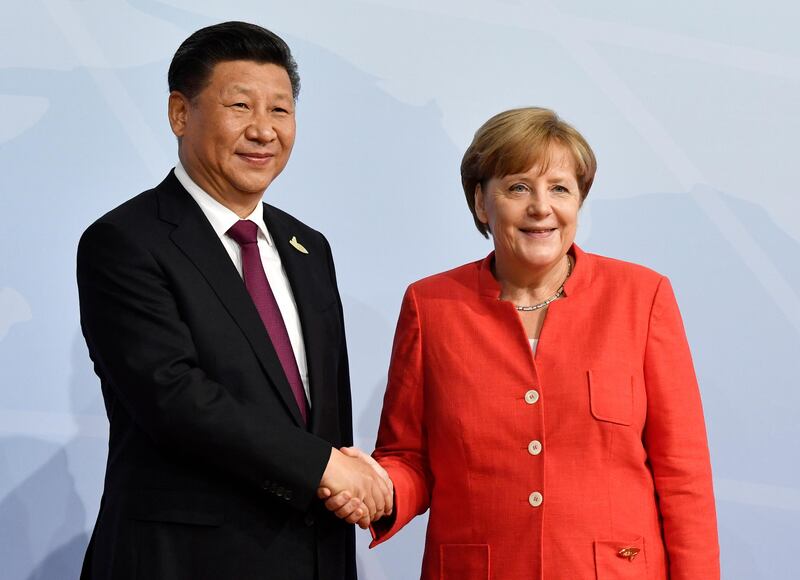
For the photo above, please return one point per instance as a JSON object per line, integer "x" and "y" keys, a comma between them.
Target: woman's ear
{"x": 480, "y": 205}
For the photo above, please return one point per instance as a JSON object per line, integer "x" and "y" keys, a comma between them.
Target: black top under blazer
{"x": 211, "y": 473}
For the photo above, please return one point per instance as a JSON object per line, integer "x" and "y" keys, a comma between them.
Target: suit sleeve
{"x": 141, "y": 347}
{"x": 401, "y": 447}
{"x": 675, "y": 439}
{"x": 345, "y": 407}
{"x": 343, "y": 368}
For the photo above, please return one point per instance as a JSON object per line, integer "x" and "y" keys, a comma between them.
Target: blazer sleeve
{"x": 401, "y": 447}
{"x": 141, "y": 347}
{"x": 343, "y": 367}
{"x": 675, "y": 440}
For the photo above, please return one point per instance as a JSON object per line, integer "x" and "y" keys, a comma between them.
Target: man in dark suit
{"x": 215, "y": 326}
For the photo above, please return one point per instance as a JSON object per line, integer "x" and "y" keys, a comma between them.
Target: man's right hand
{"x": 370, "y": 497}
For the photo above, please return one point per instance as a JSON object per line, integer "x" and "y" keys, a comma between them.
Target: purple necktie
{"x": 245, "y": 233}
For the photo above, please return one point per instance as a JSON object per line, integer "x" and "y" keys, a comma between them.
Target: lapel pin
{"x": 629, "y": 553}
{"x": 297, "y": 245}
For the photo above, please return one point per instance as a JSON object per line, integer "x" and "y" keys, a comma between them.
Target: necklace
{"x": 555, "y": 296}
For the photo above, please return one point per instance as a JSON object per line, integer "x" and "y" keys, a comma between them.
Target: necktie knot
{"x": 244, "y": 232}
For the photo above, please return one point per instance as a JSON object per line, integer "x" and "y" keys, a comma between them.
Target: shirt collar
{"x": 220, "y": 217}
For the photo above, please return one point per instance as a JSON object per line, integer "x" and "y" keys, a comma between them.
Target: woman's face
{"x": 533, "y": 215}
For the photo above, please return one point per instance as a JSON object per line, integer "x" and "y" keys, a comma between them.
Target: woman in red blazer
{"x": 542, "y": 402}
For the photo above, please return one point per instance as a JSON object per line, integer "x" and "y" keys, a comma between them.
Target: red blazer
{"x": 548, "y": 466}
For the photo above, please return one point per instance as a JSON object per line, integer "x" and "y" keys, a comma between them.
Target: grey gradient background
{"x": 691, "y": 108}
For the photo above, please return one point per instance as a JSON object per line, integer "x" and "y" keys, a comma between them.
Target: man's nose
{"x": 261, "y": 128}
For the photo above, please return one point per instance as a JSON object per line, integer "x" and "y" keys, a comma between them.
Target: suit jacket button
{"x": 309, "y": 520}
{"x": 266, "y": 484}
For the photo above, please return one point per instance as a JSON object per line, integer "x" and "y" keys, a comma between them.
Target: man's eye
{"x": 239, "y": 105}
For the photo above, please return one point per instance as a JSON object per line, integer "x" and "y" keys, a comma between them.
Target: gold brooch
{"x": 297, "y": 245}
{"x": 629, "y": 553}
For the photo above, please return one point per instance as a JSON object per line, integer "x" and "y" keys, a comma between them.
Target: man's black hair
{"x": 196, "y": 57}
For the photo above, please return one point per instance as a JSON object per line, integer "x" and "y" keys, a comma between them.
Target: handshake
{"x": 355, "y": 487}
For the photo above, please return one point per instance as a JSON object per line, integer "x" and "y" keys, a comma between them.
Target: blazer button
{"x": 535, "y": 499}
{"x": 535, "y": 447}
{"x": 266, "y": 484}
{"x": 629, "y": 553}
{"x": 532, "y": 396}
{"x": 309, "y": 520}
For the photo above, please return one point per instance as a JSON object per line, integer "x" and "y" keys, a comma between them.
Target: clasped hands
{"x": 355, "y": 487}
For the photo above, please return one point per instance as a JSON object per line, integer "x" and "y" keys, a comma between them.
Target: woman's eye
{"x": 518, "y": 188}
{"x": 560, "y": 189}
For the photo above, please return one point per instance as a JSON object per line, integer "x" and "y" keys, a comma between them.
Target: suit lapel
{"x": 196, "y": 238}
{"x": 303, "y": 272}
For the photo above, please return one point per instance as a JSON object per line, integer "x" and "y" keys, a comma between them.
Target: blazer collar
{"x": 308, "y": 284}
{"x": 196, "y": 238}
{"x": 489, "y": 287}
{"x": 300, "y": 268}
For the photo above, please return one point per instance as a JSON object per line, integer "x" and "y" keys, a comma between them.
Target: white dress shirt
{"x": 222, "y": 219}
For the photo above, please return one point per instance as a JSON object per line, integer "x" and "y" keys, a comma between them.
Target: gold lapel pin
{"x": 297, "y": 245}
{"x": 629, "y": 553}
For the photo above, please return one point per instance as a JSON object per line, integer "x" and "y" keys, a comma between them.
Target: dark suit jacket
{"x": 211, "y": 473}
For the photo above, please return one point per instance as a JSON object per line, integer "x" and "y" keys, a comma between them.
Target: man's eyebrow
{"x": 240, "y": 89}
{"x": 244, "y": 89}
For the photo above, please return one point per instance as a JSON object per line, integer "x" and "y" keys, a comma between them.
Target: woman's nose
{"x": 538, "y": 204}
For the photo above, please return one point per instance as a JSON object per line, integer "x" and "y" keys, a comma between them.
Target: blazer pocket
{"x": 464, "y": 562}
{"x": 611, "y": 396}
{"x": 176, "y": 507}
{"x": 615, "y": 560}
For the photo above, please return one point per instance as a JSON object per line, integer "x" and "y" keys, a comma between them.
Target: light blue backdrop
{"x": 691, "y": 106}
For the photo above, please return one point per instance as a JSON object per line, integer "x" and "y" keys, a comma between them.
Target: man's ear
{"x": 480, "y": 205}
{"x": 177, "y": 111}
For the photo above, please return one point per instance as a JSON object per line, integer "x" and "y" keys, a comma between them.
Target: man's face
{"x": 237, "y": 133}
